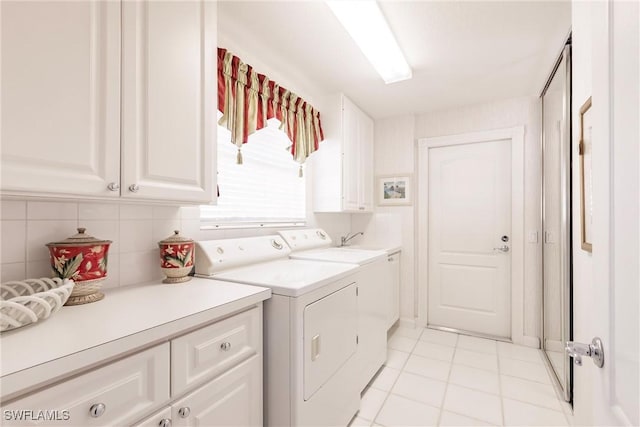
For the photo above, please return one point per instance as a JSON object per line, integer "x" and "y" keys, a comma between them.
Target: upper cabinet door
{"x": 169, "y": 76}
{"x": 60, "y": 97}
{"x": 343, "y": 166}
{"x": 365, "y": 193}
{"x": 350, "y": 154}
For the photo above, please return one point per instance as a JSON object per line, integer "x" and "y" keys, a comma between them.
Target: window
{"x": 264, "y": 190}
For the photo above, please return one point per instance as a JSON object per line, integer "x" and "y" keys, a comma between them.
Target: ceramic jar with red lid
{"x": 176, "y": 257}
{"x": 82, "y": 258}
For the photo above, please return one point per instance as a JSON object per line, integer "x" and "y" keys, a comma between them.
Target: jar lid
{"x": 80, "y": 239}
{"x": 175, "y": 239}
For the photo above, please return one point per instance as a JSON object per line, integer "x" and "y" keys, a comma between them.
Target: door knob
{"x": 503, "y": 248}
{"x": 595, "y": 351}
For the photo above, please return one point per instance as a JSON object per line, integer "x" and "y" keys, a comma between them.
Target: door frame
{"x": 516, "y": 136}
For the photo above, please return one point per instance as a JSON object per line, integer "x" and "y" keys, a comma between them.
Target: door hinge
{"x": 357, "y": 340}
{"x": 357, "y": 292}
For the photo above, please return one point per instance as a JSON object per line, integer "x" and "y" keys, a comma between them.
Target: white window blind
{"x": 265, "y": 189}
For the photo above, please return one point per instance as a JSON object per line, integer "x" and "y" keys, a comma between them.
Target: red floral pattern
{"x": 177, "y": 255}
{"x": 79, "y": 263}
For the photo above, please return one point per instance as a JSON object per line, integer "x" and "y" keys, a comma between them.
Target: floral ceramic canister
{"x": 82, "y": 258}
{"x": 176, "y": 258}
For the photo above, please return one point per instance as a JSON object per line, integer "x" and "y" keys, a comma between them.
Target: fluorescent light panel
{"x": 365, "y": 23}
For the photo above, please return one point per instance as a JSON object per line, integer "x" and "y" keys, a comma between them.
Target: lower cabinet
{"x": 232, "y": 399}
{"x": 115, "y": 394}
{"x": 394, "y": 289}
{"x": 218, "y": 368}
{"x": 162, "y": 418}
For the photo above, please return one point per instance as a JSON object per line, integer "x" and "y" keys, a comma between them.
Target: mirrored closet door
{"x": 556, "y": 220}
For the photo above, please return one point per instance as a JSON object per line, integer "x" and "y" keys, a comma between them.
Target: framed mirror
{"x": 586, "y": 183}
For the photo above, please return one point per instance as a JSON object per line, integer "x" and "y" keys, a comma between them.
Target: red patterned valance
{"x": 248, "y": 99}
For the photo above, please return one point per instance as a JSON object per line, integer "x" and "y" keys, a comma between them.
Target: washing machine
{"x": 316, "y": 245}
{"x": 310, "y": 328}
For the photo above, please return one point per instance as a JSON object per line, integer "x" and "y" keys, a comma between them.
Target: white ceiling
{"x": 461, "y": 53}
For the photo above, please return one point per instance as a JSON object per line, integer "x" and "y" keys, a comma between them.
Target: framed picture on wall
{"x": 586, "y": 181}
{"x": 394, "y": 190}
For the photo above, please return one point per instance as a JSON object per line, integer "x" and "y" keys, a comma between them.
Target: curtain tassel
{"x": 300, "y": 172}
{"x": 239, "y": 157}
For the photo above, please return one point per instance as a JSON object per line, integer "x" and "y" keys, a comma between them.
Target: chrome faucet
{"x": 345, "y": 239}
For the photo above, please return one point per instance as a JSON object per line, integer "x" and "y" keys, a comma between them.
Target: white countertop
{"x": 127, "y": 318}
{"x": 289, "y": 277}
{"x": 389, "y": 249}
{"x": 342, "y": 254}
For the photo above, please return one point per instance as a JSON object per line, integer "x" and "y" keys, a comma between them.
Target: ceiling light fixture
{"x": 365, "y": 22}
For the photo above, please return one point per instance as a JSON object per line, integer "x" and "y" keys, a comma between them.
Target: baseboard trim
{"x": 530, "y": 341}
{"x": 555, "y": 345}
{"x": 407, "y": 322}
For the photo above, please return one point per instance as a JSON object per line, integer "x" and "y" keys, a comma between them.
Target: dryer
{"x": 373, "y": 306}
{"x": 310, "y": 332}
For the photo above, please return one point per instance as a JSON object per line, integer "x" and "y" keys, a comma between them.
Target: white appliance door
{"x": 469, "y": 237}
{"x": 330, "y": 330}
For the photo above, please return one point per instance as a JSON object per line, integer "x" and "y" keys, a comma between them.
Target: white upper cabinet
{"x": 60, "y": 97}
{"x": 109, "y": 99}
{"x": 343, "y": 166}
{"x": 365, "y": 155}
{"x": 168, "y": 107}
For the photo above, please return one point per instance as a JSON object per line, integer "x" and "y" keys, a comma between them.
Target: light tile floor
{"x": 435, "y": 378}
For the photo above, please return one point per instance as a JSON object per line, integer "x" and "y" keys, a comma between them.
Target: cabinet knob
{"x": 225, "y": 346}
{"x": 390, "y": 259}
{"x": 361, "y": 208}
{"x": 113, "y": 186}
{"x": 134, "y": 188}
{"x": 184, "y": 411}
{"x": 97, "y": 409}
{"x": 165, "y": 422}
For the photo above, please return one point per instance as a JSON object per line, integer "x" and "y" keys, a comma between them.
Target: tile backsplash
{"x": 134, "y": 229}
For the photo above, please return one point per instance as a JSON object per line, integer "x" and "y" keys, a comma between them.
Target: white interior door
{"x": 469, "y": 230}
{"x": 616, "y": 213}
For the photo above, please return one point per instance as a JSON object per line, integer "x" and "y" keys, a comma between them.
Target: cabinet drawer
{"x": 118, "y": 393}
{"x": 232, "y": 399}
{"x": 156, "y": 419}
{"x": 209, "y": 351}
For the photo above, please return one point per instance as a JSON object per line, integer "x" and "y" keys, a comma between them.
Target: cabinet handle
{"x": 97, "y": 409}
{"x": 361, "y": 208}
{"x": 113, "y": 186}
{"x": 184, "y": 411}
{"x": 225, "y": 346}
{"x": 134, "y": 188}
{"x": 165, "y": 422}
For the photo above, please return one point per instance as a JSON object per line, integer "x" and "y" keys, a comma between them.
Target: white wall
{"x": 26, "y": 226}
{"x": 395, "y": 153}
{"x": 393, "y": 225}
